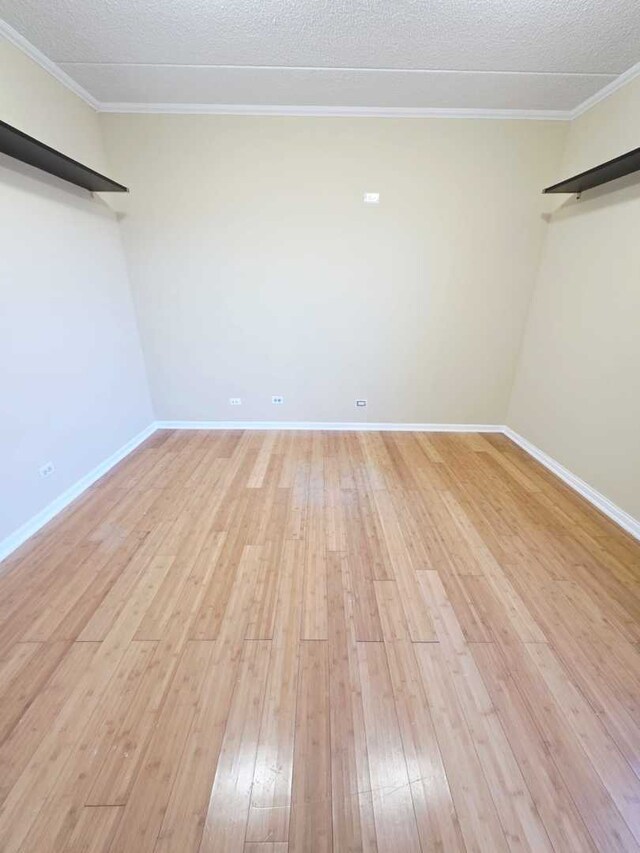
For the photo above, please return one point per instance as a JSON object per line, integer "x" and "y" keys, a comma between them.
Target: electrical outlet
{"x": 277, "y": 401}
{"x": 47, "y": 470}
{"x": 361, "y": 404}
{"x": 235, "y": 401}
{"x": 371, "y": 198}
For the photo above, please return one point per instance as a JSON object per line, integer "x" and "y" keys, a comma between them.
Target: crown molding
{"x": 332, "y": 112}
{"x": 620, "y": 81}
{"x": 360, "y": 69}
{"x": 23, "y": 44}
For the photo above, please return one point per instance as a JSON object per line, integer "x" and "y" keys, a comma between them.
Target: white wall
{"x": 257, "y": 270}
{"x": 577, "y": 390}
{"x": 72, "y": 381}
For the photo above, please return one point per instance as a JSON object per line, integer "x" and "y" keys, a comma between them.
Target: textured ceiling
{"x": 493, "y": 54}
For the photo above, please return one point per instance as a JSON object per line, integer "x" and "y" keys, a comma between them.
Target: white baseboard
{"x": 343, "y": 426}
{"x": 607, "y": 507}
{"x": 615, "y": 513}
{"x": 18, "y": 537}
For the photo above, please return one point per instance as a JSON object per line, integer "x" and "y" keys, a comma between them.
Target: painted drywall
{"x": 72, "y": 380}
{"x": 577, "y": 390}
{"x": 36, "y": 103}
{"x": 257, "y": 270}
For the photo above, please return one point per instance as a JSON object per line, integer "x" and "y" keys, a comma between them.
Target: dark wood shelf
{"x": 17, "y": 144}
{"x": 609, "y": 171}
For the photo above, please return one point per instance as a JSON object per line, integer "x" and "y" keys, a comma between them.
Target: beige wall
{"x": 577, "y": 389}
{"x": 72, "y": 381}
{"x": 36, "y": 103}
{"x": 257, "y": 270}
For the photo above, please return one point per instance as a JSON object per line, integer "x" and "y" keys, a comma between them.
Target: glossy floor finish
{"x": 270, "y": 642}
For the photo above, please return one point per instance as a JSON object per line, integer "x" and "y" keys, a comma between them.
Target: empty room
{"x": 320, "y": 434}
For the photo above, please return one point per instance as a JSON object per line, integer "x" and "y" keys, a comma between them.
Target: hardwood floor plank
{"x": 314, "y": 615}
{"x": 41, "y": 772}
{"x": 364, "y": 604}
{"x": 259, "y": 470}
{"x": 379, "y": 466}
{"x": 226, "y": 818}
{"x": 392, "y": 619}
{"x": 26, "y": 669}
{"x": 475, "y": 808}
{"x": 514, "y": 803}
{"x": 13, "y": 661}
{"x": 115, "y": 601}
{"x": 528, "y": 630}
{"x": 143, "y": 813}
{"x": 562, "y": 820}
{"x": 436, "y": 816}
{"x": 190, "y": 786}
{"x": 187, "y": 572}
{"x": 351, "y": 798}
{"x": 112, "y": 781}
{"x": 271, "y": 792}
{"x": 416, "y": 611}
{"x": 261, "y": 623}
{"x": 65, "y": 805}
{"x": 395, "y": 818}
{"x": 28, "y": 603}
{"x": 95, "y": 830}
{"x": 211, "y": 612}
{"x": 604, "y": 821}
{"x": 317, "y": 641}
{"x": 605, "y": 675}
{"x": 69, "y": 663}
{"x": 574, "y": 770}
{"x": 310, "y": 822}
{"x": 78, "y": 616}
{"x": 618, "y": 777}
{"x": 103, "y": 564}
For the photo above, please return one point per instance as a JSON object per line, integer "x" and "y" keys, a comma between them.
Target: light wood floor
{"x": 270, "y": 642}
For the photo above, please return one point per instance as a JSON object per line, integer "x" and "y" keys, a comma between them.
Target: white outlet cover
{"x": 235, "y": 401}
{"x": 361, "y": 404}
{"x": 277, "y": 400}
{"x": 371, "y": 198}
